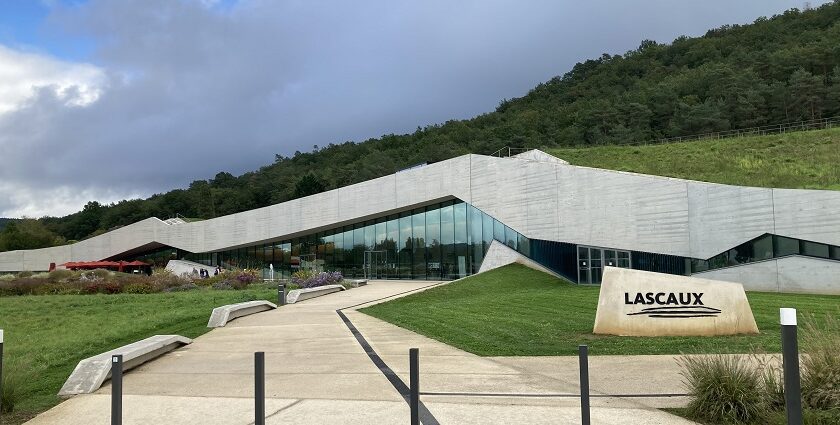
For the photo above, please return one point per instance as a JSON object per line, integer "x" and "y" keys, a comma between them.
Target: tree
{"x": 27, "y": 233}
{"x": 309, "y": 184}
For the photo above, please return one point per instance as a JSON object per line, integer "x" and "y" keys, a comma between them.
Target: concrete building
{"x": 439, "y": 220}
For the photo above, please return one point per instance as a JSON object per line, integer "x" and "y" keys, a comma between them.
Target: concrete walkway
{"x": 318, "y": 373}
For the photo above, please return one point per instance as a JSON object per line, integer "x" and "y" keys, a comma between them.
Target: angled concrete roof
{"x": 534, "y": 193}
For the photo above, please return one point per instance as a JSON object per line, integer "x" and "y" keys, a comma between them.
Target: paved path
{"x": 318, "y": 373}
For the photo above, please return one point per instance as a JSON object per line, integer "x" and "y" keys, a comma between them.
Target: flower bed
{"x": 310, "y": 279}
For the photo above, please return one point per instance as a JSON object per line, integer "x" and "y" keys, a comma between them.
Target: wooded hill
{"x": 779, "y": 69}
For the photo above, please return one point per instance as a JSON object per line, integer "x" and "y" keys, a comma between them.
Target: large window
{"x": 447, "y": 240}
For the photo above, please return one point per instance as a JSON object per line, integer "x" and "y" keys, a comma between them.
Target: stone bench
{"x": 92, "y": 372}
{"x": 356, "y": 282}
{"x": 224, "y": 314}
{"x": 296, "y": 295}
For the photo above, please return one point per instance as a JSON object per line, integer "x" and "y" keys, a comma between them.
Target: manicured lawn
{"x": 806, "y": 160}
{"x": 517, "y": 311}
{"x": 47, "y": 335}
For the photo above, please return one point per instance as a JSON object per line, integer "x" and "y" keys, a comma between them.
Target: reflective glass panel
{"x": 418, "y": 228}
{"x": 783, "y": 246}
{"x": 814, "y": 249}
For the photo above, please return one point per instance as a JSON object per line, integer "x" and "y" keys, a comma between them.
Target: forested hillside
{"x": 778, "y": 69}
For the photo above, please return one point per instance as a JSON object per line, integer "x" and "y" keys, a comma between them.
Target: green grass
{"x": 47, "y": 335}
{"x": 800, "y": 160}
{"x": 517, "y": 311}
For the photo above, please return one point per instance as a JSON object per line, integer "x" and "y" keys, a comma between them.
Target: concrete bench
{"x": 92, "y": 372}
{"x": 224, "y": 314}
{"x": 296, "y": 295}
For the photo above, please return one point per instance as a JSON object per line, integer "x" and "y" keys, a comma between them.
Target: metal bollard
{"x": 1, "y": 372}
{"x": 414, "y": 384}
{"x": 583, "y": 358}
{"x": 281, "y": 294}
{"x": 790, "y": 364}
{"x": 259, "y": 388}
{"x": 116, "y": 389}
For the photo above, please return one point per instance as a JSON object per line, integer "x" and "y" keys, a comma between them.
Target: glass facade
{"x": 449, "y": 240}
{"x": 766, "y": 247}
{"x": 443, "y": 241}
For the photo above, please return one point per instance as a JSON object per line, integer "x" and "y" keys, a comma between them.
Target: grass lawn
{"x": 47, "y": 335}
{"x": 799, "y": 160}
{"x": 518, "y": 311}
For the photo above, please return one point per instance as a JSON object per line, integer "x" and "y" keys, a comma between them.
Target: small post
{"x": 259, "y": 388}
{"x": 281, "y": 294}
{"x": 583, "y": 357}
{"x": 790, "y": 364}
{"x": 1, "y": 372}
{"x": 414, "y": 384}
{"x": 116, "y": 389}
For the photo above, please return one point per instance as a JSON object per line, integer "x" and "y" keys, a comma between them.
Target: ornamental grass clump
{"x": 820, "y": 366}
{"x": 724, "y": 389}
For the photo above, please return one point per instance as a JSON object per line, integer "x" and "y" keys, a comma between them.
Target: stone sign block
{"x": 640, "y": 303}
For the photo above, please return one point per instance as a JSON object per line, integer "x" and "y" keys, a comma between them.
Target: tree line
{"x": 779, "y": 69}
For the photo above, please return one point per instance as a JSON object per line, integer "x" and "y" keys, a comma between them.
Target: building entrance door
{"x": 376, "y": 264}
{"x": 591, "y": 262}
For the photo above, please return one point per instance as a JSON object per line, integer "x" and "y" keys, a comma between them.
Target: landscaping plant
{"x": 723, "y": 389}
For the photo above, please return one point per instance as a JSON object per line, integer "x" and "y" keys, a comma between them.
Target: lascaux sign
{"x": 641, "y": 303}
{"x": 670, "y": 305}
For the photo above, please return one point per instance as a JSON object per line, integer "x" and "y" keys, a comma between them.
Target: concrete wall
{"x": 534, "y": 194}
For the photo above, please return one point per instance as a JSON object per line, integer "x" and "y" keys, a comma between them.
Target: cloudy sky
{"x": 106, "y": 100}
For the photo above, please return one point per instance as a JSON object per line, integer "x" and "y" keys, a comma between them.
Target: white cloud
{"x": 26, "y": 201}
{"x": 23, "y": 74}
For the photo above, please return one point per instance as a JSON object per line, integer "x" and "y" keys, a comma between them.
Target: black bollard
{"x": 281, "y": 294}
{"x": 414, "y": 384}
{"x": 790, "y": 365}
{"x": 116, "y": 389}
{"x": 259, "y": 388}
{"x": 1, "y": 372}
{"x": 583, "y": 360}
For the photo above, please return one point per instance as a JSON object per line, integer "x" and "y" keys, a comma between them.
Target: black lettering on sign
{"x": 673, "y": 304}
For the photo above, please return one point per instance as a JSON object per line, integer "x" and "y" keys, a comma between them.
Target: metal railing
{"x": 817, "y": 124}
{"x": 788, "y": 127}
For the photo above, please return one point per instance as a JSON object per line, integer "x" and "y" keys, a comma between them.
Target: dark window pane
{"x": 486, "y": 230}
{"x": 380, "y": 235}
{"x": 763, "y": 248}
{"x": 447, "y": 241}
{"x": 433, "y": 243}
{"x": 459, "y": 212}
{"x": 475, "y": 239}
{"x": 783, "y": 246}
{"x": 524, "y": 246}
{"x": 835, "y": 252}
{"x": 499, "y": 231}
{"x": 404, "y": 246}
{"x": 511, "y": 238}
{"x": 418, "y": 229}
{"x": 814, "y": 249}
{"x": 699, "y": 265}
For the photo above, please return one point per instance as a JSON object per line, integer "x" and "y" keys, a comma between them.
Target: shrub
{"x": 21, "y": 286}
{"x": 222, "y": 285}
{"x": 24, "y": 274}
{"x": 181, "y": 288}
{"x": 306, "y": 279}
{"x": 58, "y": 275}
{"x": 723, "y": 389}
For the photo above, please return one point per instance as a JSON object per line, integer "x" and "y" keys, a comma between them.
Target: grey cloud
{"x": 194, "y": 90}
